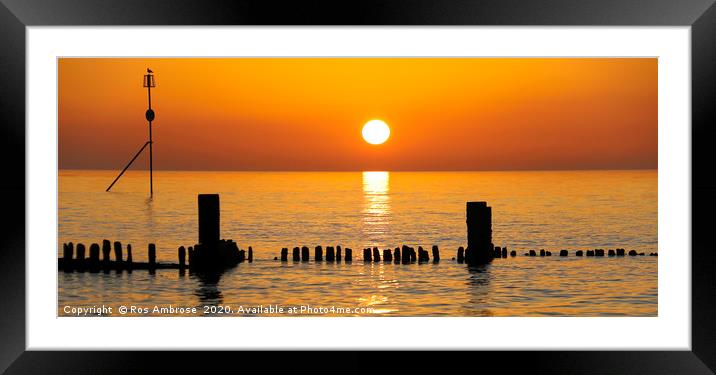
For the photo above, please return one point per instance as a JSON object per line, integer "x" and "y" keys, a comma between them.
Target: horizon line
{"x": 371, "y": 170}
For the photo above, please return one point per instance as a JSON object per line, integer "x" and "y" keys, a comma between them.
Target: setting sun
{"x": 376, "y": 132}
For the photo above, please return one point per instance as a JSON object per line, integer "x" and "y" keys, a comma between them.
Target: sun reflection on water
{"x": 376, "y": 207}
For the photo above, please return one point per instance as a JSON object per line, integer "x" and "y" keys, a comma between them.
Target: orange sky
{"x": 307, "y": 113}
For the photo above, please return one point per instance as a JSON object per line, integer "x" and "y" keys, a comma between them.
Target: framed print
{"x": 526, "y": 181}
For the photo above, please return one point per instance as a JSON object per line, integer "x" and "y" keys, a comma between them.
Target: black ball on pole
{"x": 149, "y": 115}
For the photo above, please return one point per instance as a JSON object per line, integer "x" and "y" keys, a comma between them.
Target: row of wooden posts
{"x": 407, "y": 254}
{"x": 81, "y": 260}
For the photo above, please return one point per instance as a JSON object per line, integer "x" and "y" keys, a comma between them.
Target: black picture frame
{"x": 16, "y": 15}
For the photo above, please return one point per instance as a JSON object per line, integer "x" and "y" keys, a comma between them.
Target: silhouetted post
{"x": 66, "y": 261}
{"x": 563, "y": 253}
{"x": 338, "y": 253}
{"x": 460, "y": 254}
{"x": 106, "y": 250}
{"x": 367, "y": 255}
{"x": 579, "y": 253}
{"x": 80, "y": 253}
{"x": 632, "y": 253}
{"x": 284, "y": 254}
{"x": 513, "y": 253}
{"x": 405, "y": 255}
{"x": 118, "y": 252}
{"x": 304, "y": 254}
{"x": 349, "y": 254}
{"x": 152, "y": 256}
{"x": 590, "y": 253}
{"x": 504, "y": 252}
{"x": 376, "y": 254}
{"x": 436, "y": 254}
{"x": 412, "y": 255}
{"x": 129, "y": 256}
{"x": 612, "y": 253}
{"x": 599, "y": 252}
{"x": 541, "y": 252}
{"x": 319, "y": 253}
{"x": 387, "y": 255}
{"x": 182, "y": 257}
{"x": 620, "y": 252}
{"x": 296, "y": 253}
{"x": 209, "y": 220}
{"x": 251, "y": 254}
{"x": 330, "y": 254}
{"x": 548, "y": 253}
{"x": 396, "y": 255}
{"x": 94, "y": 257}
{"x": 533, "y": 253}
{"x": 479, "y": 233}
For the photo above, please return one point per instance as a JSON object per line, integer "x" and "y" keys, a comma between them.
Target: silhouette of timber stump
{"x": 579, "y": 253}
{"x": 284, "y": 254}
{"x": 251, "y": 254}
{"x": 304, "y": 254}
{"x": 367, "y": 255}
{"x": 387, "y": 255}
{"x": 533, "y": 253}
{"x": 436, "y": 254}
{"x": 460, "y": 254}
{"x": 330, "y": 254}
{"x": 632, "y": 253}
{"x": 296, "y": 253}
{"x": 349, "y": 254}
{"x": 479, "y": 233}
{"x": 396, "y": 255}
{"x": 563, "y": 253}
{"x": 376, "y": 254}
{"x": 338, "y": 253}
{"x": 513, "y": 253}
{"x": 318, "y": 253}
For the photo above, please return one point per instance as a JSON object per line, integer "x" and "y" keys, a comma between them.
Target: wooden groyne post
{"x": 436, "y": 254}
{"x": 367, "y": 255}
{"x": 330, "y": 254}
{"x": 319, "y": 253}
{"x": 209, "y": 219}
{"x": 338, "y": 253}
{"x": 479, "y": 233}
{"x": 349, "y": 254}
{"x": 296, "y": 253}
{"x": 304, "y": 254}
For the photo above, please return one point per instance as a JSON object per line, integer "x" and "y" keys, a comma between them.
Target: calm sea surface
{"x": 271, "y": 210}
